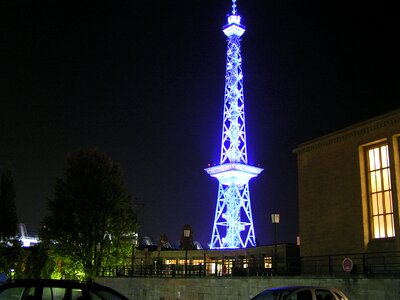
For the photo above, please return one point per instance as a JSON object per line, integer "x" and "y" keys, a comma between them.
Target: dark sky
{"x": 144, "y": 82}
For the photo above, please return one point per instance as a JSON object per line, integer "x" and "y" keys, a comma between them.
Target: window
{"x": 54, "y": 293}
{"x": 215, "y": 267}
{"x": 324, "y": 295}
{"x": 267, "y": 262}
{"x": 380, "y": 191}
{"x": 228, "y": 265}
{"x": 14, "y": 293}
{"x": 301, "y": 295}
{"x": 170, "y": 261}
{"x": 198, "y": 262}
{"x": 245, "y": 263}
{"x": 76, "y": 294}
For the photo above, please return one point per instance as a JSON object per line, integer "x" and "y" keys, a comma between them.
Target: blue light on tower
{"x": 233, "y": 221}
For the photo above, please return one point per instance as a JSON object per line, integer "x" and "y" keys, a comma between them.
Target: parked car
{"x": 43, "y": 289}
{"x": 301, "y": 293}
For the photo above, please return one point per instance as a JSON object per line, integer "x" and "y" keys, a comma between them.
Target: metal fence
{"x": 189, "y": 270}
{"x": 366, "y": 264}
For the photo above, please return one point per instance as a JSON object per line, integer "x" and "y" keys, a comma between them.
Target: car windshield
{"x": 339, "y": 295}
{"x": 12, "y": 293}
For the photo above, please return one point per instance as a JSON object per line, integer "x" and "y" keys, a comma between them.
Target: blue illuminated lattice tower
{"x": 233, "y": 223}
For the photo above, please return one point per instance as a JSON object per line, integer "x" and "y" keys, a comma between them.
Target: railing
{"x": 368, "y": 264}
{"x": 363, "y": 264}
{"x": 217, "y": 269}
{"x": 154, "y": 271}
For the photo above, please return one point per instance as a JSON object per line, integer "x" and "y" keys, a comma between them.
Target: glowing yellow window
{"x": 380, "y": 191}
{"x": 267, "y": 262}
{"x": 198, "y": 262}
{"x": 170, "y": 261}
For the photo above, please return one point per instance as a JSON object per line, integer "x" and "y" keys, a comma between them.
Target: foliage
{"x": 37, "y": 260}
{"x": 10, "y": 248}
{"x": 90, "y": 219}
{"x": 8, "y": 213}
{"x": 11, "y": 257}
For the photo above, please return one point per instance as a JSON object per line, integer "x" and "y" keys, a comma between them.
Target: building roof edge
{"x": 350, "y": 131}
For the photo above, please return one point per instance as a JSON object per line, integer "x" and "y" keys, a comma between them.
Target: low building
{"x": 257, "y": 261}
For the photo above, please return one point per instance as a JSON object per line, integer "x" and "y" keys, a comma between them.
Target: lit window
{"x": 198, "y": 262}
{"x": 228, "y": 265}
{"x": 215, "y": 267}
{"x": 380, "y": 191}
{"x": 170, "y": 261}
{"x": 267, "y": 262}
{"x": 245, "y": 263}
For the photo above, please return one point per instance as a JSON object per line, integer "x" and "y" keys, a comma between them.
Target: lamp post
{"x": 275, "y": 218}
{"x": 186, "y": 235}
{"x": 159, "y": 265}
{"x": 134, "y": 244}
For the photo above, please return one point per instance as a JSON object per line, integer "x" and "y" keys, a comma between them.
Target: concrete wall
{"x": 211, "y": 288}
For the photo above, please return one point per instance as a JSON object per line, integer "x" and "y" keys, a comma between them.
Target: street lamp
{"x": 134, "y": 244}
{"x": 159, "y": 264}
{"x": 186, "y": 235}
{"x": 275, "y": 218}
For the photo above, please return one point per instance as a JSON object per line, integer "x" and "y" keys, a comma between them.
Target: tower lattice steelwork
{"x": 233, "y": 223}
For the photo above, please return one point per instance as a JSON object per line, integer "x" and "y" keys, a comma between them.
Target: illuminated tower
{"x": 233, "y": 222}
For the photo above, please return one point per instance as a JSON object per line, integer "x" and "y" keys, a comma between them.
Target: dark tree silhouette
{"x": 90, "y": 220}
{"x": 8, "y": 213}
{"x": 164, "y": 242}
{"x": 10, "y": 247}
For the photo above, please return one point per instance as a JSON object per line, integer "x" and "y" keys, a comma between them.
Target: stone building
{"x": 349, "y": 189}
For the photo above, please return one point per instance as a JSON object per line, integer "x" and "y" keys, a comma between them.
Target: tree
{"x": 8, "y": 213}
{"x": 164, "y": 242}
{"x": 10, "y": 247}
{"x": 90, "y": 219}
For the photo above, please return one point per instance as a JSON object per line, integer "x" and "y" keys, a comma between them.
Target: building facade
{"x": 349, "y": 185}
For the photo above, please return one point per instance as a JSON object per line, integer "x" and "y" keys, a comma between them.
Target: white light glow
{"x": 233, "y": 173}
{"x": 234, "y": 19}
{"x": 233, "y": 29}
{"x": 28, "y": 242}
{"x": 233, "y": 222}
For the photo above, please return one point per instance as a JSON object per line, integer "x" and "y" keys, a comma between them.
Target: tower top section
{"x": 234, "y": 7}
{"x": 233, "y": 28}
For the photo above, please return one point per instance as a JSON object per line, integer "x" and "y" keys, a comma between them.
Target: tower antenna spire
{"x": 233, "y": 221}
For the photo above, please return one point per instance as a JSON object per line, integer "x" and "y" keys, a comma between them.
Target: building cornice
{"x": 359, "y": 129}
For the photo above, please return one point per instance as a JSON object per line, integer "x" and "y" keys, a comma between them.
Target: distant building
{"x": 255, "y": 261}
{"x": 27, "y": 238}
{"x": 349, "y": 189}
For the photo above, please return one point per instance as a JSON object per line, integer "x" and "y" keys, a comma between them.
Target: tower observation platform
{"x": 233, "y": 222}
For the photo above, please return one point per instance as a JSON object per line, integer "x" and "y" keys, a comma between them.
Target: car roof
{"x": 58, "y": 283}
{"x": 291, "y": 287}
{"x": 300, "y": 287}
{"x": 53, "y": 282}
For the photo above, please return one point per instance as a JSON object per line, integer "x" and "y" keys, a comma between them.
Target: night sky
{"x": 144, "y": 81}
